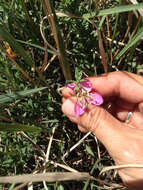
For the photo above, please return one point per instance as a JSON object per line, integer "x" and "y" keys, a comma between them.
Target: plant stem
{"x": 49, "y": 10}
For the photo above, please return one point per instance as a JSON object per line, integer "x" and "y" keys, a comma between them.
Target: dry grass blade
{"x": 73, "y": 147}
{"x": 47, "y": 4}
{"x": 49, "y": 177}
{"x": 120, "y": 167}
{"x": 18, "y": 66}
{"x": 32, "y": 142}
{"x": 102, "y": 52}
{"x": 48, "y": 153}
{"x": 66, "y": 167}
{"x": 135, "y": 2}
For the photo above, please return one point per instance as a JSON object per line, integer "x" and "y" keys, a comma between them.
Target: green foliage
{"x": 115, "y": 10}
{"x": 30, "y": 80}
{"x": 11, "y": 127}
{"x": 17, "y": 95}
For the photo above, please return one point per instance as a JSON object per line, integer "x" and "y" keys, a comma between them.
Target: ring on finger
{"x": 128, "y": 117}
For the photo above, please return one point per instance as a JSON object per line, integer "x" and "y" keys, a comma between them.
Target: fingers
{"x": 97, "y": 120}
{"x": 82, "y": 129}
{"x": 122, "y": 84}
{"x": 67, "y": 92}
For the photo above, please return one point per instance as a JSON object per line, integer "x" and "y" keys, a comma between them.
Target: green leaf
{"x": 88, "y": 149}
{"x": 60, "y": 187}
{"x": 14, "y": 127}
{"x": 131, "y": 43}
{"x": 89, "y": 15}
{"x": 115, "y": 10}
{"x": 13, "y": 96}
{"x": 11, "y": 187}
{"x": 78, "y": 74}
{"x": 15, "y": 45}
{"x": 37, "y": 46}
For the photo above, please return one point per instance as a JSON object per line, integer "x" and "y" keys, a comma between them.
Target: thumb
{"x": 97, "y": 120}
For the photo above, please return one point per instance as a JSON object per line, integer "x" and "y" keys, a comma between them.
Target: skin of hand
{"x": 122, "y": 93}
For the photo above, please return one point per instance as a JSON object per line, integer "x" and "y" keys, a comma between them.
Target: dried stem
{"x": 48, "y": 154}
{"x": 49, "y": 10}
{"x": 73, "y": 147}
{"x": 102, "y": 52}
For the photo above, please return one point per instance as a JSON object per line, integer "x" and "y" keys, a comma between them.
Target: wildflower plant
{"x": 86, "y": 95}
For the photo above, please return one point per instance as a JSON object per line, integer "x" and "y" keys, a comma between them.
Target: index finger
{"x": 124, "y": 85}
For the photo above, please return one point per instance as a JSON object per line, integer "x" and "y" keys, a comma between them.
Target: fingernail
{"x": 68, "y": 108}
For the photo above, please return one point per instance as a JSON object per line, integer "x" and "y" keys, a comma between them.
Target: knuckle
{"x": 93, "y": 119}
{"x": 96, "y": 118}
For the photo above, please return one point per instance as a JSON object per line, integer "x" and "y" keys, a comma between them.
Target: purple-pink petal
{"x": 71, "y": 86}
{"x": 79, "y": 108}
{"x": 95, "y": 99}
{"x": 86, "y": 85}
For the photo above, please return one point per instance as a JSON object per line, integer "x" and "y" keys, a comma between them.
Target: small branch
{"x": 48, "y": 154}
{"x": 73, "y": 147}
{"x": 33, "y": 143}
{"x": 49, "y": 177}
{"x": 102, "y": 52}
{"x": 121, "y": 167}
{"x": 63, "y": 166}
{"x": 49, "y": 10}
{"x": 139, "y": 10}
{"x": 43, "y": 35}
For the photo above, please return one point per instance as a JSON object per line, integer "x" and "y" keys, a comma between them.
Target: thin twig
{"x": 63, "y": 166}
{"x": 48, "y": 154}
{"x": 139, "y": 10}
{"x": 102, "y": 52}
{"x": 98, "y": 149}
{"x": 49, "y": 10}
{"x": 121, "y": 167}
{"x": 73, "y": 147}
{"x": 43, "y": 35}
{"x": 133, "y": 33}
{"x": 45, "y": 66}
{"x": 49, "y": 177}
{"x": 122, "y": 44}
{"x": 33, "y": 143}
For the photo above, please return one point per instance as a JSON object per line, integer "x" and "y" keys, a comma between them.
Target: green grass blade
{"x": 37, "y": 46}
{"x": 15, "y": 45}
{"x": 115, "y": 10}
{"x": 13, "y": 96}
{"x": 14, "y": 127}
{"x": 131, "y": 43}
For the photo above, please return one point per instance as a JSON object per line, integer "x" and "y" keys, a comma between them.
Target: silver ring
{"x": 128, "y": 117}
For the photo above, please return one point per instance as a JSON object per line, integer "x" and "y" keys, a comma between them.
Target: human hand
{"x": 122, "y": 93}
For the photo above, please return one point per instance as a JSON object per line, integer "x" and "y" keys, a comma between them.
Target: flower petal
{"x": 71, "y": 86}
{"x": 79, "y": 108}
{"x": 86, "y": 85}
{"x": 95, "y": 99}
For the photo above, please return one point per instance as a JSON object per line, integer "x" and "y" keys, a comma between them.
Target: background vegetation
{"x": 43, "y": 44}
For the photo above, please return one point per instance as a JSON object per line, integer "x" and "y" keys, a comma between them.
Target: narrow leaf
{"x": 88, "y": 149}
{"x": 14, "y": 127}
{"x": 115, "y": 10}
{"x": 131, "y": 43}
{"x": 37, "y": 46}
{"x": 5, "y": 35}
{"x": 13, "y": 96}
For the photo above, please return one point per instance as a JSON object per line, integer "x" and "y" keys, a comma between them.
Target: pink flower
{"x": 85, "y": 96}
{"x": 71, "y": 86}
{"x": 86, "y": 85}
{"x": 79, "y": 108}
